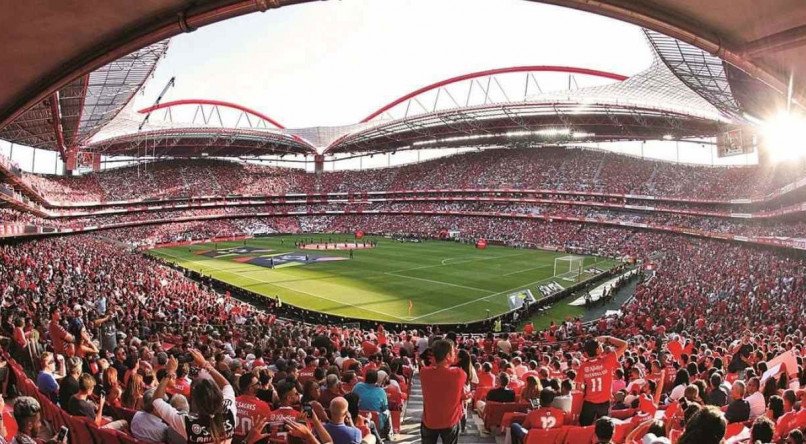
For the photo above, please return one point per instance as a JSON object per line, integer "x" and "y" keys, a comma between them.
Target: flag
{"x": 411, "y": 305}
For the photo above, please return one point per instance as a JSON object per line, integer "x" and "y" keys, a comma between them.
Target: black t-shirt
{"x": 736, "y": 364}
{"x": 81, "y": 407}
{"x": 68, "y": 387}
{"x": 499, "y": 394}
{"x": 738, "y": 411}
{"x": 717, "y": 397}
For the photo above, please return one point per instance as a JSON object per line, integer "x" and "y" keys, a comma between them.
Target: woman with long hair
{"x": 212, "y": 404}
{"x": 531, "y": 390}
{"x": 112, "y": 387}
{"x": 464, "y": 361}
{"x": 132, "y": 397}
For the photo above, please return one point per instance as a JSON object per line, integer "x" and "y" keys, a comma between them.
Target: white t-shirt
{"x": 757, "y": 405}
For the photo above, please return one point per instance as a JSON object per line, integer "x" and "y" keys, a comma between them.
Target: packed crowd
{"x": 103, "y": 330}
{"x": 777, "y": 227}
{"x": 545, "y": 168}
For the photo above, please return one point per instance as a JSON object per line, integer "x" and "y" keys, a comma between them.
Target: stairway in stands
{"x": 410, "y": 428}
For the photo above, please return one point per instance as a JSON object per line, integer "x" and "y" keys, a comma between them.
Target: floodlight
{"x": 785, "y": 136}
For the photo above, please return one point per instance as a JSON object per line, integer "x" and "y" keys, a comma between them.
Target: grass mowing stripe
{"x": 437, "y": 276}
{"x": 291, "y": 289}
{"x": 495, "y": 294}
{"x": 437, "y": 282}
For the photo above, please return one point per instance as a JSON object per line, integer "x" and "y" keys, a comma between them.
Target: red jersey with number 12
{"x": 597, "y": 375}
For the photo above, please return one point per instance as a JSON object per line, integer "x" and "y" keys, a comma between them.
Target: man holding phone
{"x": 28, "y": 415}
{"x": 80, "y": 405}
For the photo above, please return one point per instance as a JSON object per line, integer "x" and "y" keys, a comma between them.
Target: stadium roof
{"x": 478, "y": 109}
{"x": 763, "y": 42}
{"x": 74, "y": 113}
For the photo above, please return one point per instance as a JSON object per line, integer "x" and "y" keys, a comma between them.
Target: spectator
{"x": 374, "y": 399}
{"x": 248, "y": 406}
{"x": 69, "y": 384}
{"x": 545, "y": 417}
{"x": 147, "y": 426}
{"x": 132, "y": 397}
{"x": 443, "y": 396}
{"x": 46, "y": 381}
{"x": 717, "y": 395}
{"x": 596, "y": 373}
{"x": 603, "y": 431}
{"x": 762, "y": 430}
{"x": 340, "y": 432}
{"x": 111, "y": 387}
{"x": 214, "y": 412}
{"x": 755, "y": 398}
{"x": 739, "y": 408}
{"x": 28, "y": 415}
{"x": 532, "y": 389}
{"x": 80, "y": 405}
{"x": 58, "y": 334}
{"x": 332, "y": 390}
{"x": 706, "y": 426}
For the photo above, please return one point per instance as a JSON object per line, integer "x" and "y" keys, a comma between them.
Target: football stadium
{"x": 411, "y": 221}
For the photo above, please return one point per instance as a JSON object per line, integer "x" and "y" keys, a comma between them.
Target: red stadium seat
{"x": 622, "y": 414}
{"x": 83, "y": 430}
{"x": 480, "y": 393}
{"x": 576, "y": 406}
{"x": 622, "y": 430}
{"x": 546, "y": 436}
{"x": 9, "y": 422}
{"x": 494, "y": 412}
{"x": 511, "y": 417}
{"x": 122, "y": 413}
{"x": 579, "y": 435}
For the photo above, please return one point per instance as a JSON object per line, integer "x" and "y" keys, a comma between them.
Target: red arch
{"x": 489, "y": 72}
{"x": 214, "y": 103}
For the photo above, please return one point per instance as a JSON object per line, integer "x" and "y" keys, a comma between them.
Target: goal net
{"x": 568, "y": 267}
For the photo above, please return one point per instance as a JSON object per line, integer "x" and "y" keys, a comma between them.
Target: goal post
{"x": 568, "y": 266}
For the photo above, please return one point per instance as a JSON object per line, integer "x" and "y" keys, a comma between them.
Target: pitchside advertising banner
{"x": 518, "y": 299}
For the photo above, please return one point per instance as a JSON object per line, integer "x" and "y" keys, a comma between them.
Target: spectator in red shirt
{"x": 545, "y": 417}
{"x": 249, "y": 407}
{"x": 596, "y": 373}
{"x": 443, "y": 395}
{"x": 58, "y": 334}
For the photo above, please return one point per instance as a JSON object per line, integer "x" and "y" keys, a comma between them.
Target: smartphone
{"x": 275, "y": 428}
{"x": 62, "y": 434}
{"x": 308, "y": 410}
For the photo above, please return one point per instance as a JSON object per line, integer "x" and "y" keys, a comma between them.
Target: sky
{"x": 333, "y": 63}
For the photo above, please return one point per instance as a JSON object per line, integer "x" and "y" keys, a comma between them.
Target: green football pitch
{"x": 446, "y": 282}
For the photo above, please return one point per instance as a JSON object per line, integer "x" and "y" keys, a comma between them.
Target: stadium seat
{"x": 9, "y": 422}
{"x": 579, "y": 435}
{"x": 546, "y": 436}
{"x": 122, "y": 413}
{"x": 511, "y": 417}
{"x": 622, "y": 414}
{"x": 623, "y": 428}
{"x": 576, "y": 406}
{"x": 494, "y": 412}
{"x": 480, "y": 393}
{"x": 83, "y": 430}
